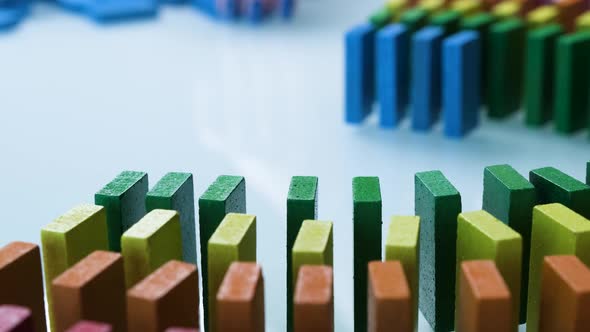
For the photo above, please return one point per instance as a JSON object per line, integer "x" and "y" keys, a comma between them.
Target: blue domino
{"x": 426, "y": 77}
{"x": 75, "y": 5}
{"x": 360, "y": 72}
{"x": 12, "y": 12}
{"x": 461, "y": 82}
{"x": 115, "y": 10}
{"x": 392, "y": 73}
{"x": 255, "y": 11}
{"x": 286, "y": 8}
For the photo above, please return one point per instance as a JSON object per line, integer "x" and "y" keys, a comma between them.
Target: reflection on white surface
{"x": 80, "y": 103}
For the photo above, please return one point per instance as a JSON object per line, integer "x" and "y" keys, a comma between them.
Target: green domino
{"x": 572, "y": 82}
{"x": 123, "y": 199}
{"x": 313, "y": 246}
{"x": 481, "y": 236}
{"x": 414, "y": 19}
{"x": 366, "y": 222}
{"x": 448, "y": 20}
{"x": 403, "y": 244}
{"x": 539, "y": 71}
{"x": 510, "y": 197}
{"x": 554, "y": 186}
{"x": 381, "y": 18}
{"x": 438, "y": 204}
{"x": 557, "y": 230}
{"x": 68, "y": 239}
{"x": 588, "y": 173}
{"x": 227, "y": 194}
{"x": 175, "y": 192}
{"x": 302, "y": 204}
{"x": 150, "y": 243}
{"x": 505, "y": 67}
{"x": 234, "y": 240}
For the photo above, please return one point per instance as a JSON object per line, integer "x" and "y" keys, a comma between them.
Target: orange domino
{"x": 569, "y": 10}
{"x": 389, "y": 303}
{"x": 485, "y": 303}
{"x": 240, "y": 299}
{"x": 167, "y": 297}
{"x": 565, "y": 295}
{"x": 92, "y": 289}
{"x": 314, "y": 299}
{"x": 21, "y": 281}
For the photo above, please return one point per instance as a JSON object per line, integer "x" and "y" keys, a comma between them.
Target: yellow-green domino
{"x": 69, "y": 238}
{"x": 481, "y": 236}
{"x": 153, "y": 241}
{"x": 234, "y": 240}
{"x": 507, "y": 9}
{"x": 313, "y": 245}
{"x": 557, "y": 230}
{"x": 403, "y": 244}
{"x": 583, "y": 22}
{"x": 432, "y": 6}
{"x": 466, "y": 7}
{"x": 542, "y": 15}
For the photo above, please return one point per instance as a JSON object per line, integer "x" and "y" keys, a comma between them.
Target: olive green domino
{"x": 313, "y": 246}
{"x": 123, "y": 199}
{"x": 554, "y": 186}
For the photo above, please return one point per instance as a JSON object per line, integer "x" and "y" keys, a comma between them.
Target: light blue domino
{"x": 116, "y": 10}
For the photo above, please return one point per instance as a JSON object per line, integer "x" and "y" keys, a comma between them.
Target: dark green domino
{"x": 414, "y": 19}
{"x": 381, "y": 18}
{"x": 175, "y": 191}
{"x": 572, "y": 82}
{"x": 302, "y": 204}
{"x": 505, "y": 67}
{"x": 510, "y": 197}
{"x": 588, "y": 173}
{"x": 554, "y": 186}
{"x": 438, "y": 204}
{"x": 124, "y": 202}
{"x": 448, "y": 20}
{"x": 227, "y": 194}
{"x": 539, "y": 71}
{"x": 367, "y": 219}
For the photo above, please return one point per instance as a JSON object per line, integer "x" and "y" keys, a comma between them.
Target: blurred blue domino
{"x": 392, "y": 73}
{"x": 359, "y": 72}
{"x": 461, "y": 82}
{"x": 426, "y": 77}
{"x": 287, "y": 8}
{"x": 75, "y": 5}
{"x": 12, "y": 12}
{"x": 116, "y": 10}
{"x": 228, "y": 9}
{"x": 254, "y": 11}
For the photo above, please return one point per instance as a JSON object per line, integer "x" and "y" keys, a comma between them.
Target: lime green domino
{"x": 69, "y": 238}
{"x": 234, "y": 240}
{"x": 313, "y": 245}
{"x": 542, "y": 15}
{"x": 403, "y": 244}
{"x": 150, "y": 243}
{"x": 481, "y": 236}
{"x": 557, "y": 230}
{"x": 583, "y": 22}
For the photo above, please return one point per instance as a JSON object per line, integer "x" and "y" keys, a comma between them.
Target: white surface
{"x": 80, "y": 103}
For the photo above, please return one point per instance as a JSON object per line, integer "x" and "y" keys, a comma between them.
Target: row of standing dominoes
{"x": 513, "y": 231}
{"x": 455, "y": 58}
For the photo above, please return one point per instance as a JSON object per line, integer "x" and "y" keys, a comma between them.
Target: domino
{"x": 314, "y": 299}
{"x": 414, "y": 19}
{"x": 466, "y": 7}
{"x": 92, "y": 289}
{"x": 313, "y": 246}
{"x": 448, "y": 21}
{"x": 583, "y": 22}
{"x": 438, "y": 204}
{"x": 367, "y": 219}
{"x": 175, "y": 192}
{"x": 569, "y": 10}
{"x": 403, "y": 245}
{"x": 389, "y": 303}
{"x": 105, "y": 11}
{"x": 22, "y": 280}
{"x": 240, "y": 299}
{"x": 173, "y": 285}
{"x": 432, "y": 7}
{"x": 123, "y": 200}
{"x": 588, "y": 173}
{"x": 542, "y": 15}
{"x": 89, "y": 326}
{"x": 12, "y": 12}
{"x": 150, "y": 243}
{"x": 557, "y": 230}
{"x": 481, "y": 236}
{"x": 484, "y": 299}
{"x": 15, "y": 319}
{"x": 234, "y": 240}
{"x": 302, "y": 204}
{"x": 381, "y": 17}
{"x": 507, "y": 9}
{"x": 287, "y": 8}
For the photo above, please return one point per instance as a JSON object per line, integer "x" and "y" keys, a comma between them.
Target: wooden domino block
{"x": 314, "y": 299}
{"x": 302, "y": 204}
{"x": 22, "y": 280}
{"x": 403, "y": 245}
{"x": 438, "y": 204}
{"x": 542, "y": 15}
{"x": 68, "y": 239}
{"x": 234, "y": 240}
{"x": 484, "y": 299}
{"x": 554, "y": 186}
{"x": 167, "y": 297}
{"x": 569, "y": 10}
{"x": 151, "y": 242}
{"x": 15, "y": 318}
{"x": 92, "y": 289}
{"x": 123, "y": 200}
{"x": 240, "y": 299}
{"x": 313, "y": 246}
{"x": 481, "y": 236}
{"x": 565, "y": 295}
{"x": 389, "y": 303}
{"x": 175, "y": 191}
{"x": 227, "y": 194}
{"x": 557, "y": 230}
{"x": 90, "y": 326}
{"x": 367, "y": 219}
